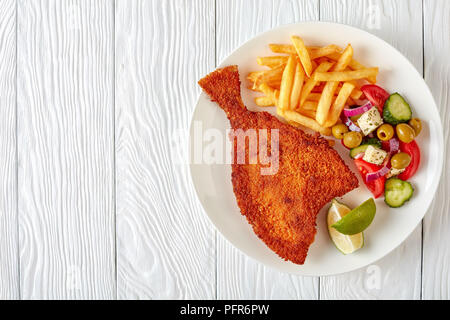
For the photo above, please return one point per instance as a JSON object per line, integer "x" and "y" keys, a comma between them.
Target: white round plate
{"x": 390, "y": 226}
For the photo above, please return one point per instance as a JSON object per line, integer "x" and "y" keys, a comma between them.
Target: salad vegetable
{"x": 396, "y": 110}
{"x": 414, "y": 152}
{"x": 358, "y": 110}
{"x": 397, "y": 192}
{"x": 375, "y": 186}
{"x": 385, "y": 132}
{"x": 382, "y": 143}
{"x": 352, "y": 139}
{"x": 361, "y": 149}
{"x": 376, "y": 95}
{"x": 405, "y": 132}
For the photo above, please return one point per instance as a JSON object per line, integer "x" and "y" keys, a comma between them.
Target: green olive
{"x": 352, "y": 139}
{"x": 385, "y": 132}
{"x": 405, "y": 132}
{"x": 400, "y": 160}
{"x": 339, "y": 130}
{"x": 416, "y": 124}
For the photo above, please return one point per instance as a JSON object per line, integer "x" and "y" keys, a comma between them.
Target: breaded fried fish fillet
{"x": 281, "y": 207}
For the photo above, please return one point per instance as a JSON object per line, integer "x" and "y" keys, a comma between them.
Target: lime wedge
{"x": 345, "y": 244}
{"x": 358, "y": 219}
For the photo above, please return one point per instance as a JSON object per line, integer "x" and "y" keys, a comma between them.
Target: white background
{"x": 92, "y": 204}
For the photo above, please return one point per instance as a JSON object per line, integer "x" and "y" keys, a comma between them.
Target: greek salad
{"x": 380, "y": 135}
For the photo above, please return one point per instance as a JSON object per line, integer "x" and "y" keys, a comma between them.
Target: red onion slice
{"x": 351, "y": 126}
{"x": 380, "y": 173}
{"x": 359, "y": 155}
{"x": 394, "y": 144}
{"x": 358, "y": 111}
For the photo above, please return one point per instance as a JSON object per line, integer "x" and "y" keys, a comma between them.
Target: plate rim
{"x": 440, "y": 143}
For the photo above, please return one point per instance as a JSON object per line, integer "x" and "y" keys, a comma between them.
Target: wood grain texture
{"x": 436, "y": 256}
{"x": 165, "y": 240}
{"x": 239, "y": 277}
{"x": 400, "y": 24}
{"x": 9, "y": 266}
{"x": 65, "y": 149}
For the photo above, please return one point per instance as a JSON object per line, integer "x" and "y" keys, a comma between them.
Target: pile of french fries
{"x": 310, "y": 86}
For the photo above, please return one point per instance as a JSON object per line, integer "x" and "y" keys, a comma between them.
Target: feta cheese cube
{"x": 394, "y": 172}
{"x": 374, "y": 155}
{"x": 370, "y": 120}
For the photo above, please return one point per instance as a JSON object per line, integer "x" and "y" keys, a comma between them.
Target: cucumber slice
{"x": 362, "y": 148}
{"x": 397, "y": 192}
{"x": 396, "y": 110}
{"x": 373, "y": 141}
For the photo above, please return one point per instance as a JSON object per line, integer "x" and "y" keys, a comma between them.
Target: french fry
{"x": 322, "y": 59}
{"x": 303, "y": 54}
{"x": 350, "y": 101}
{"x": 354, "y": 65}
{"x": 309, "y": 113}
{"x": 287, "y": 81}
{"x": 270, "y": 93}
{"x": 319, "y": 87}
{"x": 264, "y": 101}
{"x": 339, "y": 104}
{"x": 346, "y": 75}
{"x": 328, "y": 92}
{"x": 290, "y": 49}
{"x": 282, "y": 48}
{"x": 356, "y": 93}
{"x": 313, "y": 96}
{"x": 272, "y": 77}
{"x": 324, "y": 51}
{"x": 317, "y": 101}
{"x": 272, "y": 61}
{"x": 309, "y": 105}
{"x": 252, "y": 88}
{"x": 311, "y": 83}
{"x": 305, "y": 121}
{"x": 299, "y": 77}
{"x": 344, "y": 60}
{"x": 308, "y": 109}
{"x": 252, "y": 76}
{"x": 325, "y": 101}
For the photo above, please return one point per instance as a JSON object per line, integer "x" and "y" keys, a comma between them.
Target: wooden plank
{"x": 239, "y": 277}
{"x": 65, "y": 149}
{"x": 9, "y": 267}
{"x": 165, "y": 240}
{"x": 436, "y": 258}
{"x": 397, "y": 276}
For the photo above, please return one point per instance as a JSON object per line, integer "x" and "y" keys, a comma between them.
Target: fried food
{"x": 281, "y": 207}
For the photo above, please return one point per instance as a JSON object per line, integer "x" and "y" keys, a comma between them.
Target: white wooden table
{"x": 93, "y": 203}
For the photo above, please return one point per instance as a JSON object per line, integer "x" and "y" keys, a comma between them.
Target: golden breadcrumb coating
{"x": 281, "y": 208}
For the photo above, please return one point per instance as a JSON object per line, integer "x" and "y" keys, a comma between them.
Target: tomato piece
{"x": 376, "y": 95}
{"x": 385, "y": 146}
{"x": 414, "y": 152}
{"x": 376, "y": 186}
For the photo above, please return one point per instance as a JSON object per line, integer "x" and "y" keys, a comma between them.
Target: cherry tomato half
{"x": 414, "y": 151}
{"x": 376, "y": 186}
{"x": 376, "y": 95}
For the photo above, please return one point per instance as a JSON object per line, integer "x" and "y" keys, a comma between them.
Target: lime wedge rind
{"x": 358, "y": 219}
